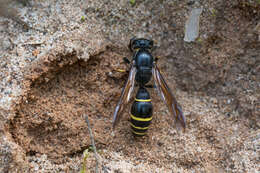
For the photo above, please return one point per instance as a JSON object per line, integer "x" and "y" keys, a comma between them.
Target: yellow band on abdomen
{"x": 137, "y": 133}
{"x": 142, "y": 100}
{"x": 140, "y": 128}
{"x": 140, "y": 119}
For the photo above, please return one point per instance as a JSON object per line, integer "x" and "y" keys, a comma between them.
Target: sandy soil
{"x": 63, "y": 66}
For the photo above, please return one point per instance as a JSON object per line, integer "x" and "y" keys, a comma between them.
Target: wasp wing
{"x": 168, "y": 97}
{"x": 125, "y": 95}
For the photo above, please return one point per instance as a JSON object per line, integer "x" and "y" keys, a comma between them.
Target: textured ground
{"x": 58, "y": 62}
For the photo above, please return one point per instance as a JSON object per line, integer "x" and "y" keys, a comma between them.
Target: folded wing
{"x": 125, "y": 95}
{"x": 168, "y": 98}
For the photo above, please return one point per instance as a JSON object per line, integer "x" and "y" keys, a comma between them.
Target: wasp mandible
{"x": 143, "y": 68}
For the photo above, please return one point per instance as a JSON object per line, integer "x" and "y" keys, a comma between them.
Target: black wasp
{"x": 143, "y": 67}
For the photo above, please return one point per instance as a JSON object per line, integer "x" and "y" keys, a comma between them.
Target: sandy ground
{"x": 59, "y": 62}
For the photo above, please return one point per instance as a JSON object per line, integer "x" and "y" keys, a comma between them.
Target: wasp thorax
{"x": 144, "y": 65}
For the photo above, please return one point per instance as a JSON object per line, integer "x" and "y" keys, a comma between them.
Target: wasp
{"x": 143, "y": 68}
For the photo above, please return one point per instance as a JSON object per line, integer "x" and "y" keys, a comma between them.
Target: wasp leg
{"x": 157, "y": 58}
{"x": 121, "y": 70}
{"x": 126, "y": 60}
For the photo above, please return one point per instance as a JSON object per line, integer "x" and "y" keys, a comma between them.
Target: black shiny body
{"x": 141, "y": 111}
{"x": 144, "y": 65}
{"x": 143, "y": 69}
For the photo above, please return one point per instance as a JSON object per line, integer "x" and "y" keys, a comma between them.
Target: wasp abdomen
{"x": 141, "y": 112}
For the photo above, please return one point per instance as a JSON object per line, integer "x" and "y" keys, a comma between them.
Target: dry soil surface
{"x": 59, "y": 61}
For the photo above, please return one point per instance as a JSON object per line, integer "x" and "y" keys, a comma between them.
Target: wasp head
{"x": 140, "y": 43}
